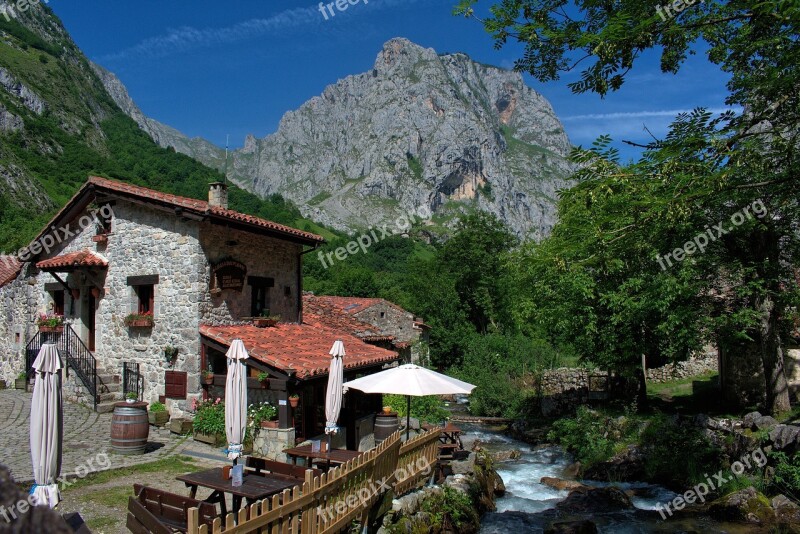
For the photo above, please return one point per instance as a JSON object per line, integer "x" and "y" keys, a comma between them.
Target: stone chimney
{"x": 218, "y": 195}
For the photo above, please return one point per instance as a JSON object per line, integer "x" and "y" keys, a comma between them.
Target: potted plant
{"x": 209, "y": 422}
{"x": 264, "y": 379}
{"x": 208, "y": 376}
{"x": 387, "y": 410}
{"x": 263, "y": 415}
{"x": 158, "y": 415}
{"x": 22, "y": 381}
{"x": 170, "y": 353}
{"x": 131, "y": 397}
{"x": 50, "y": 322}
{"x": 294, "y": 399}
{"x": 266, "y": 319}
{"x": 139, "y": 320}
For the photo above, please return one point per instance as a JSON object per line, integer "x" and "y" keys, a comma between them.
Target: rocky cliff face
{"x": 418, "y": 130}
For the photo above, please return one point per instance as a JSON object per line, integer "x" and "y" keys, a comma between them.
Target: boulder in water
{"x": 572, "y": 527}
{"x": 595, "y": 501}
{"x": 744, "y": 505}
{"x": 560, "y": 484}
{"x": 504, "y": 456}
{"x": 572, "y": 470}
{"x": 626, "y": 466}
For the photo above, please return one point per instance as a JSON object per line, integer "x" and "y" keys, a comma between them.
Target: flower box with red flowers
{"x": 50, "y": 322}
{"x": 139, "y": 320}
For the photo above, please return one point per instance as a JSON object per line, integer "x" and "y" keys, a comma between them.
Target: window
{"x": 383, "y": 314}
{"x": 145, "y": 296}
{"x": 175, "y": 384}
{"x": 58, "y": 302}
{"x": 259, "y": 301}
{"x": 144, "y": 292}
{"x": 104, "y": 220}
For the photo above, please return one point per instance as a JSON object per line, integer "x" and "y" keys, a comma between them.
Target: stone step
{"x": 112, "y": 388}
{"x": 106, "y": 406}
{"x": 115, "y": 396}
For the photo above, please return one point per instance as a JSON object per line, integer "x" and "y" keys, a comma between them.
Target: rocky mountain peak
{"x": 420, "y": 130}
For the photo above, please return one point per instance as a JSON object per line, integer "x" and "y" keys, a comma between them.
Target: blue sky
{"x": 216, "y": 68}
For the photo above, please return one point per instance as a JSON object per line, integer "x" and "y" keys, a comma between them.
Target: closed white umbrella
{"x": 236, "y": 398}
{"x": 46, "y": 425}
{"x": 333, "y": 397}
{"x": 412, "y": 381}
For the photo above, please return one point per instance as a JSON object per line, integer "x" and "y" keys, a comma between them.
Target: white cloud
{"x": 641, "y": 114}
{"x": 187, "y": 37}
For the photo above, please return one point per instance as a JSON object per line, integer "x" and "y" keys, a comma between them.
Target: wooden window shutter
{"x": 175, "y": 384}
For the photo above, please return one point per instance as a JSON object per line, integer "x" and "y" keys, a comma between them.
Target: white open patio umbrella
{"x": 333, "y": 396}
{"x": 46, "y": 425}
{"x": 236, "y": 399}
{"x": 412, "y": 381}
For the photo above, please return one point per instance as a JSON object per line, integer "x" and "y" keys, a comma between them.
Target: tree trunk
{"x": 777, "y": 388}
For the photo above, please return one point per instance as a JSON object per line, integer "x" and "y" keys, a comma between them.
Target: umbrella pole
{"x": 408, "y": 415}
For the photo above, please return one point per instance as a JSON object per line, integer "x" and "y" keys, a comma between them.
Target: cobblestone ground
{"x": 86, "y": 434}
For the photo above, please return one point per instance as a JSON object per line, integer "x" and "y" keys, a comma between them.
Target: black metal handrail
{"x": 131, "y": 379}
{"x": 81, "y": 359}
{"x": 71, "y": 350}
{"x": 35, "y": 345}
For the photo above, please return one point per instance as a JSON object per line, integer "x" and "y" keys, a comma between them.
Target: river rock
{"x": 627, "y": 465}
{"x": 595, "y": 500}
{"x": 572, "y": 527}
{"x": 785, "y": 437}
{"x": 572, "y": 470}
{"x": 744, "y": 505}
{"x": 560, "y": 484}
{"x": 462, "y": 467}
{"x": 504, "y": 456}
{"x": 749, "y": 420}
{"x": 765, "y": 422}
{"x": 787, "y": 512}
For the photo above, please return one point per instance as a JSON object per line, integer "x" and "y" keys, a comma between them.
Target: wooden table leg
{"x": 237, "y": 504}
{"x": 192, "y": 490}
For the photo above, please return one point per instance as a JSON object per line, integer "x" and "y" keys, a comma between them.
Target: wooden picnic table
{"x": 334, "y": 456}
{"x": 450, "y": 434}
{"x": 254, "y": 487}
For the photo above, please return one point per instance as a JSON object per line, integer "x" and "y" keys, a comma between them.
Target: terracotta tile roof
{"x": 200, "y": 207}
{"x": 81, "y": 258}
{"x": 9, "y": 269}
{"x": 355, "y": 304}
{"x": 318, "y": 311}
{"x": 301, "y": 349}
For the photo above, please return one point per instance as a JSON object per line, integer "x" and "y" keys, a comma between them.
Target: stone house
{"x": 376, "y": 321}
{"x": 194, "y": 273}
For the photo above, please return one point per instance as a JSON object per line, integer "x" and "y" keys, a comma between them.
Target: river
{"x": 529, "y": 506}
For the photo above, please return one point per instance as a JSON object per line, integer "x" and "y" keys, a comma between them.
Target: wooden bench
{"x": 262, "y": 466}
{"x": 155, "y": 511}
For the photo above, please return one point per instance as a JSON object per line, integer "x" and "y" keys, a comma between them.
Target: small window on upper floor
{"x": 58, "y": 302}
{"x": 146, "y": 297}
{"x": 144, "y": 293}
{"x": 383, "y": 314}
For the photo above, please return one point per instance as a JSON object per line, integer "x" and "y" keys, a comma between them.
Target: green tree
{"x": 741, "y": 288}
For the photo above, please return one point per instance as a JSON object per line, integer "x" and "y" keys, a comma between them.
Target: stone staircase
{"x": 109, "y": 391}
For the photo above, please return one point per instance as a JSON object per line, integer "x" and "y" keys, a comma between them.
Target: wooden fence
{"x": 331, "y": 502}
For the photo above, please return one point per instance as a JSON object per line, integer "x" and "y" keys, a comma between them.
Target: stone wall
{"x": 391, "y": 320}
{"x": 707, "y": 362}
{"x": 265, "y": 257}
{"x": 270, "y": 443}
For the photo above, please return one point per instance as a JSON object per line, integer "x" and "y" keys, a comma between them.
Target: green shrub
{"x": 786, "y": 479}
{"x": 157, "y": 407}
{"x": 677, "y": 454}
{"x": 210, "y": 417}
{"x": 427, "y": 409}
{"x": 452, "y": 504}
{"x": 593, "y": 437}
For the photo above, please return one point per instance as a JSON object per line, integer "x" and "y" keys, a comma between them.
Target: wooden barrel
{"x": 385, "y": 426}
{"x": 129, "y": 428}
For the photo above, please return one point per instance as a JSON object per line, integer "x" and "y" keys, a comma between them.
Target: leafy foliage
{"x": 426, "y": 409}
{"x": 210, "y": 417}
{"x": 452, "y": 506}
